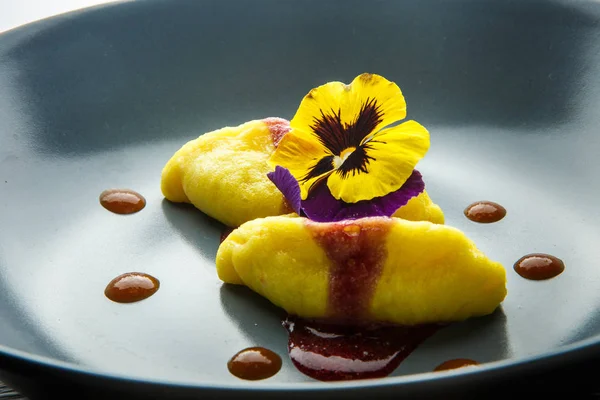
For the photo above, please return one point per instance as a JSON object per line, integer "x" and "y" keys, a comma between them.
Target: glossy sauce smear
{"x": 131, "y": 287}
{"x": 254, "y": 363}
{"x": 328, "y": 352}
{"x": 346, "y": 346}
{"x": 485, "y": 212}
{"x": 122, "y": 201}
{"x": 357, "y": 253}
{"x": 539, "y": 266}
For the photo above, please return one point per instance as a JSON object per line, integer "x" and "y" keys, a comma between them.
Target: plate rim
{"x": 563, "y": 356}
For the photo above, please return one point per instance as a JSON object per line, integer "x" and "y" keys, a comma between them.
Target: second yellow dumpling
{"x": 421, "y": 208}
{"x": 223, "y": 173}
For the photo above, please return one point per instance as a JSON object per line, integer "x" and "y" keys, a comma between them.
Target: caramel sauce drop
{"x": 122, "y": 201}
{"x": 254, "y": 363}
{"x": 485, "y": 212}
{"x": 456, "y": 363}
{"x": 539, "y": 266}
{"x": 131, "y": 287}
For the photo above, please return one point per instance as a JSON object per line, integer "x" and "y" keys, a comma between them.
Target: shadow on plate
{"x": 260, "y": 321}
{"x": 195, "y": 227}
{"x": 483, "y": 339}
{"x": 256, "y": 317}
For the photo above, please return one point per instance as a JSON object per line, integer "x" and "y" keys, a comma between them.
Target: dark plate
{"x": 103, "y": 97}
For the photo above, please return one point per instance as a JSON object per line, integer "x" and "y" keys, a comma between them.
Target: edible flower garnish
{"x": 321, "y": 206}
{"x": 341, "y": 136}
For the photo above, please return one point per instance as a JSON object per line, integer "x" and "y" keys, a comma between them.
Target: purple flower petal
{"x": 321, "y": 206}
{"x": 288, "y": 185}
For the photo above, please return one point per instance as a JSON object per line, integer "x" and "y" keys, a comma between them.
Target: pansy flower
{"x": 321, "y": 206}
{"x": 343, "y": 159}
{"x": 342, "y": 135}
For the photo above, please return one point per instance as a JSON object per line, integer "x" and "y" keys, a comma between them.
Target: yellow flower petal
{"x": 392, "y": 156}
{"x": 388, "y": 95}
{"x": 342, "y": 116}
{"x": 300, "y": 154}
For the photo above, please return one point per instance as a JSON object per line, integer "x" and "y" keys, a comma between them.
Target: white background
{"x": 14, "y": 13}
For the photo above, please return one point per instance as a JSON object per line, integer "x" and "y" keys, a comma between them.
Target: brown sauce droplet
{"x": 131, "y": 287}
{"x": 122, "y": 201}
{"x": 539, "y": 266}
{"x": 357, "y": 252}
{"x": 334, "y": 352}
{"x": 485, "y": 212}
{"x": 254, "y": 363}
{"x": 456, "y": 363}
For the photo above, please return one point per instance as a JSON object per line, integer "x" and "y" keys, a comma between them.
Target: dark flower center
{"x": 343, "y": 140}
{"x": 338, "y": 136}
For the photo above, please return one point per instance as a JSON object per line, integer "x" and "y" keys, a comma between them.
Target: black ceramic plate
{"x": 103, "y": 97}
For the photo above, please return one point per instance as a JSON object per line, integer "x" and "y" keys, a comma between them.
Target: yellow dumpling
{"x": 223, "y": 173}
{"x": 375, "y": 269}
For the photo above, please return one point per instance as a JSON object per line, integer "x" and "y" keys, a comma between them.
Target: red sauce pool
{"x": 456, "y": 363}
{"x": 131, "y": 287}
{"x": 329, "y": 352}
{"x": 539, "y": 266}
{"x": 122, "y": 201}
{"x": 485, "y": 212}
{"x": 254, "y": 363}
